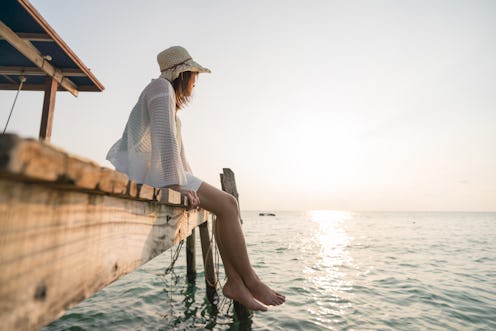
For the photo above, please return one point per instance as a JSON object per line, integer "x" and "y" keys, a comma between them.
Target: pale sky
{"x": 346, "y": 105}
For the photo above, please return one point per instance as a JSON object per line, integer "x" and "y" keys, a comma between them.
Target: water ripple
{"x": 339, "y": 271}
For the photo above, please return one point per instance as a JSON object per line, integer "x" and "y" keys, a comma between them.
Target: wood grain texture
{"x": 38, "y": 161}
{"x": 69, "y": 227}
{"x": 59, "y": 246}
{"x": 228, "y": 182}
{"x": 171, "y": 197}
{"x": 146, "y": 192}
{"x": 112, "y": 181}
{"x": 30, "y": 158}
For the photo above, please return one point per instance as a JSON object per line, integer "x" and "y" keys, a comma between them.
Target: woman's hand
{"x": 191, "y": 196}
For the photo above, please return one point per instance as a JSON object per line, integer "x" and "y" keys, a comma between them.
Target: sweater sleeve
{"x": 186, "y": 164}
{"x": 166, "y": 166}
{"x": 182, "y": 153}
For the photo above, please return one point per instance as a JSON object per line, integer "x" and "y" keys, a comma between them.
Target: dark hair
{"x": 183, "y": 88}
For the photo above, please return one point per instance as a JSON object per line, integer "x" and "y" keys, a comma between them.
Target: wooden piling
{"x": 191, "y": 257}
{"x": 208, "y": 262}
{"x": 228, "y": 182}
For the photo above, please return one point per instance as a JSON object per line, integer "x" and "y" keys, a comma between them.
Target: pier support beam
{"x": 51, "y": 86}
{"x": 191, "y": 257}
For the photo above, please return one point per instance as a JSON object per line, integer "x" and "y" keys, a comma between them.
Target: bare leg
{"x": 242, "y": 279}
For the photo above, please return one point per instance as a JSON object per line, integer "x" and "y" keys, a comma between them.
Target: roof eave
{"x": 57, "y": 39}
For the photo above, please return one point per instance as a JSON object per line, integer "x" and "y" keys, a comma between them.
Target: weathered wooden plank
{"x": 35, "y": 71}
{"x": 171, "y": 197}
{"x": 81, "y": 172}
{"x": 146, "y": 192}
{"x": 33, "y": 160}
{"x": 33, "y": 36}
{"x": 58, "y": 247}
{"x": 112, "y": 181}
{"x": 157, "y": 194}
{"x": 41, "y": 161}
{"x": 30, "y": 158}
{"x": 132, "y": 189}
{"x": 228, "y": 182}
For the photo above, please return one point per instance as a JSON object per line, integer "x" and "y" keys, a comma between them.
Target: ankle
{"x": 251, "y": 279}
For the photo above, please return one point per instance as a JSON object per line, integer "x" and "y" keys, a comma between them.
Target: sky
{"x": 342, "y": 105}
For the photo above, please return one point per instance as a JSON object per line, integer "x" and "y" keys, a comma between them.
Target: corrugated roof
{"x": 31, "y": 29}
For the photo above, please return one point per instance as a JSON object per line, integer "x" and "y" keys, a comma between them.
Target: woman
{"x": 151, "y": 152}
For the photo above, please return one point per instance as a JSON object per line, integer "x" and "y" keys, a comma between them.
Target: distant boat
{"x": 266, "y": 214}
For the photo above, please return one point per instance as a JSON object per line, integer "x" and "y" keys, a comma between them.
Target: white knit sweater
{"x": 151, "y": 150}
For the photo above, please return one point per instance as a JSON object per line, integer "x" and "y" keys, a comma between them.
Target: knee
{"x": 230, "y": 206}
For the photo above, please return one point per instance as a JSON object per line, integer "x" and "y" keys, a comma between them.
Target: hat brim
{"x": 189, "y": 65}
{"x": 193, "y": 66}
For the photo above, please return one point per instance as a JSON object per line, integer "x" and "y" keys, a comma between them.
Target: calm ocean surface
{"x": 338, "y": 270}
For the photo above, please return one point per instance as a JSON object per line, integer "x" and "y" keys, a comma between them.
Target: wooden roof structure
{"x": 32, "y": 52}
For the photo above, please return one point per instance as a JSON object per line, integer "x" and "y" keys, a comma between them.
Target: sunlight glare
{"x": 328, "y": 271}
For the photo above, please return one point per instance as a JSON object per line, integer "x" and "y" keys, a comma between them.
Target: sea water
{"x": 338, "y": 270}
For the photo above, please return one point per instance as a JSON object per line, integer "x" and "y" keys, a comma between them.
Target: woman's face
{"x": 192, "y": 82}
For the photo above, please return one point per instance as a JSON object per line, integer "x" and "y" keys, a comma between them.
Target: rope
{"x": 174, "y": 279}
{"x": 174, "y": 257}
{"x": 209, "y": 252}
{"x": 216, "y": 256}
{"x": 22, "y": 79}
{"x": 218, "y": 285}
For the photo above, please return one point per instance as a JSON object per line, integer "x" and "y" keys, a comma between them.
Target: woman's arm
{"x": 166, "y": 164}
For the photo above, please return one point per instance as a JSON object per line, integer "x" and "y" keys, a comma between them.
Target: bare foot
{"x": 238, "y": 291}
{"x": 265, "y": 294}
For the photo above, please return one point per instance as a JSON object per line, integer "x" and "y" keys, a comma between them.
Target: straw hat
{"x": 175, "y": 60}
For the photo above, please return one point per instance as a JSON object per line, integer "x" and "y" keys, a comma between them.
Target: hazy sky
{"x": 352, "y": 105}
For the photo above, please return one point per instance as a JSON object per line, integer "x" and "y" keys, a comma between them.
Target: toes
{"x": 277, "y": 299}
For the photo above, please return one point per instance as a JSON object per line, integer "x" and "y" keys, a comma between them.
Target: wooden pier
{"x": 69, "y": 227}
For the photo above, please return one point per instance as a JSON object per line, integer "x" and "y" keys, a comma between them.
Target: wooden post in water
{"x": 191, "y": 257}
{"x": 208, "y": 262}
{"x": 228, "y": 183}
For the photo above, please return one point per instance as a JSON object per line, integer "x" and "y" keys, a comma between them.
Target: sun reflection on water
{"x": 328, "y": 271}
